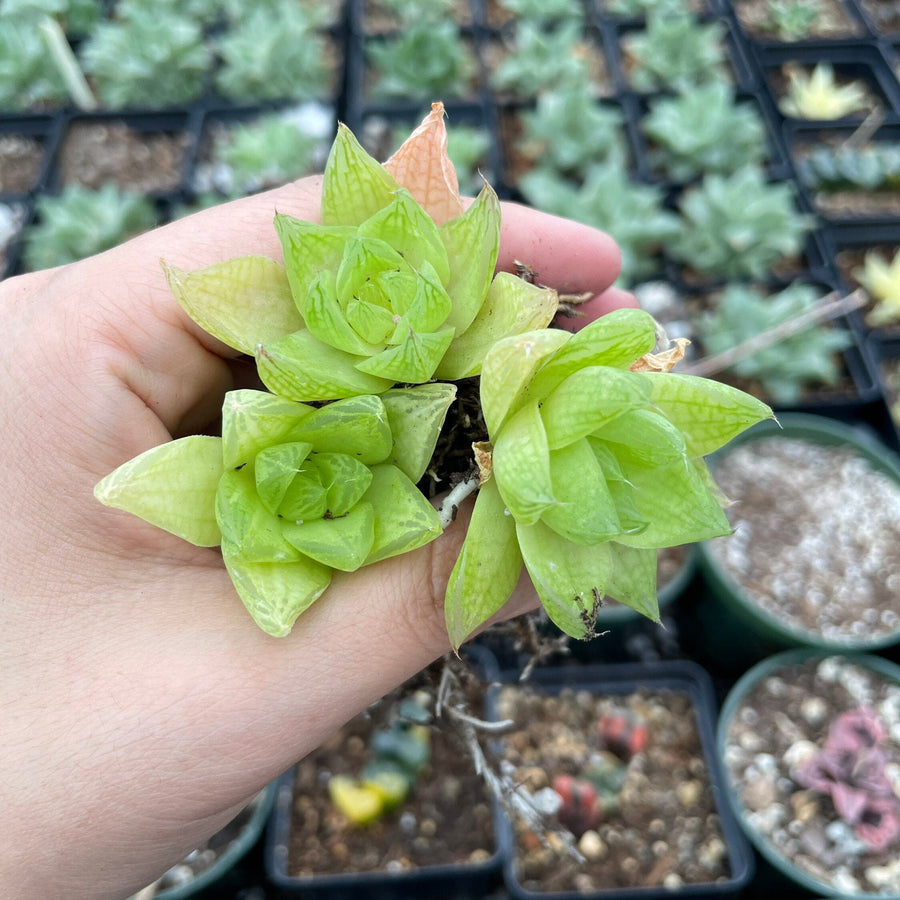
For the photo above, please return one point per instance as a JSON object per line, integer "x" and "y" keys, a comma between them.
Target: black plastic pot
{"x": 44, "y": 131}
{"x": 620, "y": 680}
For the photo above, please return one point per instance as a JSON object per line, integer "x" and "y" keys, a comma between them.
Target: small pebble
{"x": 592, "y": 846}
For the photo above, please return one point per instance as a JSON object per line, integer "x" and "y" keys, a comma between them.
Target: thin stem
{"x": 67, "y": 65}
{"x": 826, "y": 308}
{"x": 450, "y": 504}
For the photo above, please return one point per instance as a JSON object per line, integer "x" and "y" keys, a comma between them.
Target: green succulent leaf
{"x": 588, "y": 400}
{"x": 586, "y": 512}
{"x": 522, "y": 465}
{"x": 487, "y": 568}
{"x": 345, "y": 480}
{"x": 632, "y": 579}
{"x": 309, "y": 249}
{"x": 415, "y": 416}
{"x": 512, "y": 306}
{"x": 275, "y": 469}
{"x": 708, "y": 413}
{"x": 355, "y": 186}
{"x": 406, "y": 521}
{"x": 570, "y": 579}
{"x": 643, "y": 436}
{"x": 243, "y": 302}
{"x": 357, "y": 426}
{"x": 253, "y": 420}
{"x": 172, "y": 486}
{"x": 472, "y": 240}
{"x": 413, "y": 360}
{"x": 275, "y": 593}
{"x": 508, "y": 370}
{"x": 343, "y": 542}
{"x": 301, "y": 367}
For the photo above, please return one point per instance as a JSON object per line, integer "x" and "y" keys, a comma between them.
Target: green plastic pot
{"x": 776, "y": 874}
{"x": 736, "y": 631}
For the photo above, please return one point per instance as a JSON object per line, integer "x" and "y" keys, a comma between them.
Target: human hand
{"x": 141, "y": 706}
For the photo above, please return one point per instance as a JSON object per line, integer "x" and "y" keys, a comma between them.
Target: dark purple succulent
{"x": 850, "y": 768}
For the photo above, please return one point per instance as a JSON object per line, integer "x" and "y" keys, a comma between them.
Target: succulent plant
{"x": 639, "y": 9}
{"x": 542, "y": 59}
{"x": 76, "y": 17}
{"x": 817, "y": 94}
{"x": 704, "y": 130}
{"x": 410, "y": 12}
{"x": 80, "y": 222}
{"x": 851, "y": 768}
{"x": 632, "y": 212}
{"x": 786, "y": 368}
{"x": 544, "y": 10}
{"x": 675, "y": 53}
{"x": 593, "y": 464}
{"x": 739, "y": 225}
{"x": 28, "y": 76}
{"x": 791, "y": 20}
{"x": 426, "y": 59}
{"x": 882, "y": 280}
{"x": 596, "y": 455}
{"x": 206, "y": 12}
{"x": 147, "y": 60}
{"x": 397, "y": 756}
{"x": 264, "y": 152}
{"x": 275, "y": 53}
{"x": 867, "y": 167}
{"x": 569, "y": 130}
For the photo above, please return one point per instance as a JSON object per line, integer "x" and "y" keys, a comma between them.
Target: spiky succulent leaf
{"x": 598, "y": 462}
{"x": 817, "y": 94}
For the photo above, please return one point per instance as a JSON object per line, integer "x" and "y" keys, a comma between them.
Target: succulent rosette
{"x": 595, "y": 462}
{"x": 292, "y": 492}
{"x": 396, "y": 285}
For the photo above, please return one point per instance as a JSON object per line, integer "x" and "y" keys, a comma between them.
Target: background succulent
{"x": 147, "y": 60}
{"x": 593, "y": 467}
{"x": 544, "y": 10}
{"x": 867, "y": 167}
{"x": 738, "y": 226}
{"x": 675, "y": 53}
{"x": 541, "y": 58}
{"x": 817, "y": 94}
{"x": 784, "y": 369}
{"x": 704, "y": 130}
{"x": 637, "y": 9}
{"x": 28, "y": 76}
{"x": 570, "y": 130}
{"x": 76, "y": 17}
{"x": 791, "y": 20}
{"x": 274, "y": 52}
{"x": 80, "y": 222}
{"x": 881, "y": 278}
{"x": 425, "y": 60}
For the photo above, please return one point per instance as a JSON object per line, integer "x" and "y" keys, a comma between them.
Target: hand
{"x": 141, "y": 706}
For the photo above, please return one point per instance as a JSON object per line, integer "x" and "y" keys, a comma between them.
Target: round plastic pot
{"x": 231, "y": 855}
{"x": 736, "y": 630}
{"x": 779, "y": 876}
{"x": 622, "y": 679}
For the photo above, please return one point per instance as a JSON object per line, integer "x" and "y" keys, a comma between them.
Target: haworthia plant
{"x": 595, "y": 465}
{"x": 596, "y": 462}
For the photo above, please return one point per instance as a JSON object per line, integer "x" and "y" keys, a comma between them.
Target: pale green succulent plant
{"x": 881, "y": 278}
{"x": 704, "y": 130}
{"x": 817, "y": 95}
{"x": 675, "y": 52}
{"x": 739, "y": 225}
{"x": 544, "y": 10}
{"x": 28, "y": 77}
{"x": 593, "y": 467}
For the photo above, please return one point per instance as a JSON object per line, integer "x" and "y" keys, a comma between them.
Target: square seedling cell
{"x": 242, "y": 151}
{"x": 146, "y": 154}
{"x": 26, "y": 146}
{"x": 635, "y": 11}
{"x": 771, "y": 23}
{"x": 857, "y": 69}
{"x": 371, "y": 17}
{"x": 850, "y": 173}
{"x": 882, "y": 17}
